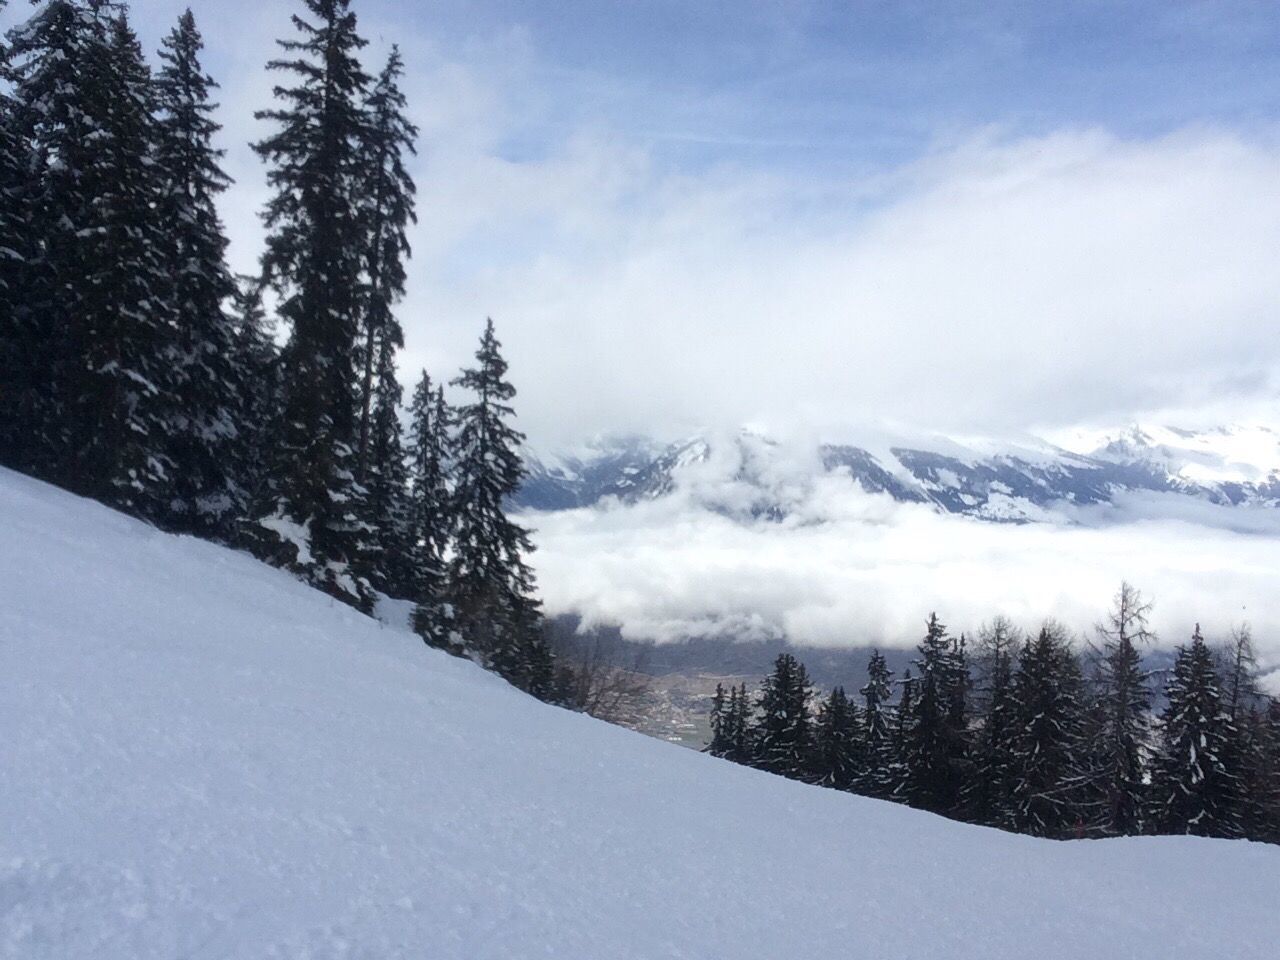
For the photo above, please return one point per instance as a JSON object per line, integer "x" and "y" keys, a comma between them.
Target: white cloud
{"x": 849, "y": 568}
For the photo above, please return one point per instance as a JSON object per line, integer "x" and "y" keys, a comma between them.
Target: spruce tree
{"x": 839, "y": 739}
{"x": 936, "y": 747}
{"x": 206, "y": 492}
{"x": 783, "y": 737}
{"x": 388, "y": 557}
{"x": 988, "y": 792}
{"x": 1120, "y": 722}
{"x": 120, "y": 396}
{"x": 739, "y": 726}
{"x": 52, "y": 117}
{"x": 314, "y": 260}
{"x": 876, "y": 778}
{"x": 429, "y": 513}
{"x": 903, "y": 725}
{"x": 93, "y": 334}
{"x": 491, "y": 586}
{"x": 257, "y": 394}
{"x": 386, "y": 206}
{"x": 14, "y": 252}
{"x": 1046, "y": 717}
{"x": 1194, "y": 788}
{"x": 718, "y": 720}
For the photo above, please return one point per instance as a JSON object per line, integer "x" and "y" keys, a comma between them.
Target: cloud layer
{"x": 849, "y": 568}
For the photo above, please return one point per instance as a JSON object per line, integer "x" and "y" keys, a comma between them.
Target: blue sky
{"x": 972, "y": 217}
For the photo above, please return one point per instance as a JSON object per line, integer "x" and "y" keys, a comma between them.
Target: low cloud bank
{"x": 854, "y": 568}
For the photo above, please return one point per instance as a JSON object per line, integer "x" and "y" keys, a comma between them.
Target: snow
{"x": 203, "y": 758}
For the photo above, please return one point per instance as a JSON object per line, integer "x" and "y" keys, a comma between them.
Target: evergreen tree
{"x": 52, "y": 117}
{"x": 206, "y": 493}
{"x": 903, "y": 726}
{"x": 989, "y": 791}
{"x": 839, "y": 737}
{"x": 429, "y": 515}
{"x": 1262, "y": 774}
{"x": 388, "y": 559}
{"x": 1120, "y": 725}
{"x": 784, "y": 731}
{"x": 316, "y": 238}
{"x": 491, "y": 586}
{"x": 718, "y": 746}
{"x": 94, "y": 335}
{"x": 876, "y": 779}
{"x": 257, "y": 394}
{"x": 935, "y": 746}
{"x": 1045, "y": 714}
{"x": 14, "y": 252}
{"x": 1195, "y": 790}
{"x": 386, "y": 205}
{"x": 738, "y": 726}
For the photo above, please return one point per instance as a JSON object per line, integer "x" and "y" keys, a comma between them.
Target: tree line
{"x": 1031, "y": 733}
{"x": 136, "y": 369}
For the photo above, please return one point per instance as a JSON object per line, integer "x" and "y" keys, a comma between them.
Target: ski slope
{"x": 204, "y": 759}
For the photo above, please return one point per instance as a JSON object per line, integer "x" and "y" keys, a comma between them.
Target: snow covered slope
{"x": 204, "y": 759}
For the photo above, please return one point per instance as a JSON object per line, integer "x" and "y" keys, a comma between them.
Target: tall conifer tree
{"x": 430, "y": 515}
{"x": 386, "y": 205}
{"x": 1120, "y": 722}
{"x": 784, "y": 731}
{"x": 491, "y": 585}
{"x": 1195, "y": 790}
{"x": 206, "y": 493}
{"x": 314, "y": 259}
{"x": 876, "y": 778}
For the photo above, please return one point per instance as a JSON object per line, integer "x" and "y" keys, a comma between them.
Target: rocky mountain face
{"x": 759, "y": 477}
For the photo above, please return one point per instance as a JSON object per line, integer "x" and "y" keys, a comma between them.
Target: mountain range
{"x": 753, "y": 475}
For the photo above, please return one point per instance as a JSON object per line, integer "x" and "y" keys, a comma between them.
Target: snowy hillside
{"x": 1030, "y": 481}
{"x": 205, "y": 759}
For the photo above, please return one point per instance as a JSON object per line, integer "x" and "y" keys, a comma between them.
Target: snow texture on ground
{"x": 205, "y": 759}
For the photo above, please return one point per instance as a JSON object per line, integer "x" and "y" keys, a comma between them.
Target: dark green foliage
{"x": 1120, "y": 726}
{"x": 936, "y": 745}
{"x": 314, "y": 260}
{"x": 388, "y": 558}
{"x": 207, "y": 491}
{"x": 490, "y": 585}
{"x": 386, "y": 207}
{"x": 839, "y": 740}
{"x": 1196, "y": 786}
{"x": 783, "y": 735}
{"x": 429, "y": 515}
{"x": 877, "y": 775}
{"x": 1046, "y": 719}
{"x": 989, "y": 792}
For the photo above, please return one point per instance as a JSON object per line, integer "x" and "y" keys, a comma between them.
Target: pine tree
{"x": 988, "y": 792}
{"x": 1046, "y": 717}
{"x": 51, "y": 119}
{"x": 784, "y": 731}
{"x": 491, "y": 586}
{"x": 386, "y": 205}
{"x": 94, "y": 333}
{"x": 316, "y": 237}
{"x": 876, "y": 779}
{"x": 388, "y": 558}
{"x": 1121, "y": 717}
{"x": 429, "y": 513}
{"x": 718, "y": 745}
{"x": 205, "y": 494}
{"x": 121, "y": 394}
{"x": 1195, "y": 790}
{"x": 14, "y": 253}
{"x": 257, "y": 393}
{"x": 903, "y": 726}
{"x": 936, "y": 746}
{"x": 839, "y": 737}
{"x": 738, "y": 727}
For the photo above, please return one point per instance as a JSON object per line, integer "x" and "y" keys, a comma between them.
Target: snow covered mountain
{"x": 204, "y": 758}
{"x": 1230, "y": 466}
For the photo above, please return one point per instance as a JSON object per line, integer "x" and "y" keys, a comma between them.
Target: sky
{"x": 983, "y": 217}
{"x": 969, "y": 218}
